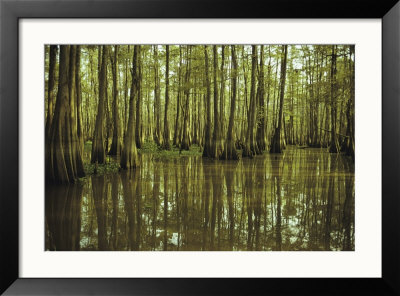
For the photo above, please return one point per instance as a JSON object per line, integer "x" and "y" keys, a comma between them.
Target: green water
{"x": 302, "y": 199}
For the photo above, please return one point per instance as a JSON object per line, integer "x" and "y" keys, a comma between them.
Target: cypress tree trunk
{"x": 98, "y": 152}
{"x": 200, "y": 112}
{"x": 79, "y": 98}
{"x": 230, "y": 150}
{"x": 261, "y": 143}
{"x": 185, "y": 144}
{"x": 176, "y": 141}
{"x": 115, "y": 144}
{"x": 126, "y": 96}
{"x": 166, "y": 144}
{"x": 268, "y": 93}
{"x": 91, "y": 117}
{"x": 334, "y": 146}
{"x": 250, "y": 148}
{"x": 107, "y": 113}
{"x": 350, "y": 110}
{"x": 222, "y": 96}
{"x": 73, "y": 122}
{"x": 195, "y": 118}
{"x": 207, "y": 136}
{"x": 274, "y": 121}
{"x": 63, "y": 160}
{"x": 276, "y": 140}
{"x": 157, "y": 100}
{"x": 50, "y": 96}
{"x": 216, "y": 147}
{"x": 245, "y": 109}
{"x": 150, "y": 131}
{"x": 129, "y": 157}
{"x": 138, "y": 127}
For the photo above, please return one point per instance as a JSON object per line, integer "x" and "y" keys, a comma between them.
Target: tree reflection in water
{"x": 302, "y": 199}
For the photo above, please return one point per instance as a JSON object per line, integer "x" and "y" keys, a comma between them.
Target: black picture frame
{"x": 10, "y": 13}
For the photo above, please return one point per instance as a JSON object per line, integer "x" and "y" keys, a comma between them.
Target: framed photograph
{"x": 175, "y": 147}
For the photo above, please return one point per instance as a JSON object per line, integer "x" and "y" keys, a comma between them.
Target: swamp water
{"x": 302, "y": 199}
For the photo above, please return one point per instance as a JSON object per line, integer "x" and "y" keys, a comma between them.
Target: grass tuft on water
{"x": 102, "y": 169}
{"x": 110, "y": 166}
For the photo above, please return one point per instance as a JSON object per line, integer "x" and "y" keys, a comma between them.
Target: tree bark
{"x": 250, "y": 148}
{"x": 76, "y": 156}
{"x": 216, "y": 147}
{"x": 138, "y": 132}
{"x": 222, "y": 96}
{"x": 63, "y": 159}
{"x": 176, "y": 141}
{"x": 129, "y": 156}
{"x": 98, "y": 152}
{"x": 261, "y": 143}
{"x": 207, "y": 152}
{"x": 334, "y": 145}
{"x": 50, "y": 91}
{"x": 350, "y": 143}
{"x": 276, "y": 140}
{"x": 230, "y": 150}
{"x": 79, "y": 98}
{"x": 157, "y": 100}
{"x": 185, "y": 144}
{"x": 116, "y": 144}
{"x": 166, "y": 144}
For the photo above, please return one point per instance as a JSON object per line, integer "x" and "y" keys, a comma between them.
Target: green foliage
{"x": 102, "y": 169}
{"x": 308, "y": 96}
{"x": 111, "y": 166}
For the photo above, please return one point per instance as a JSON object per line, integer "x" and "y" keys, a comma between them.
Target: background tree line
{"x": 230, "y": 100}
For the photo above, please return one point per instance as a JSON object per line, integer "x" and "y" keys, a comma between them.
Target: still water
{"x": 302, "y": 199}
